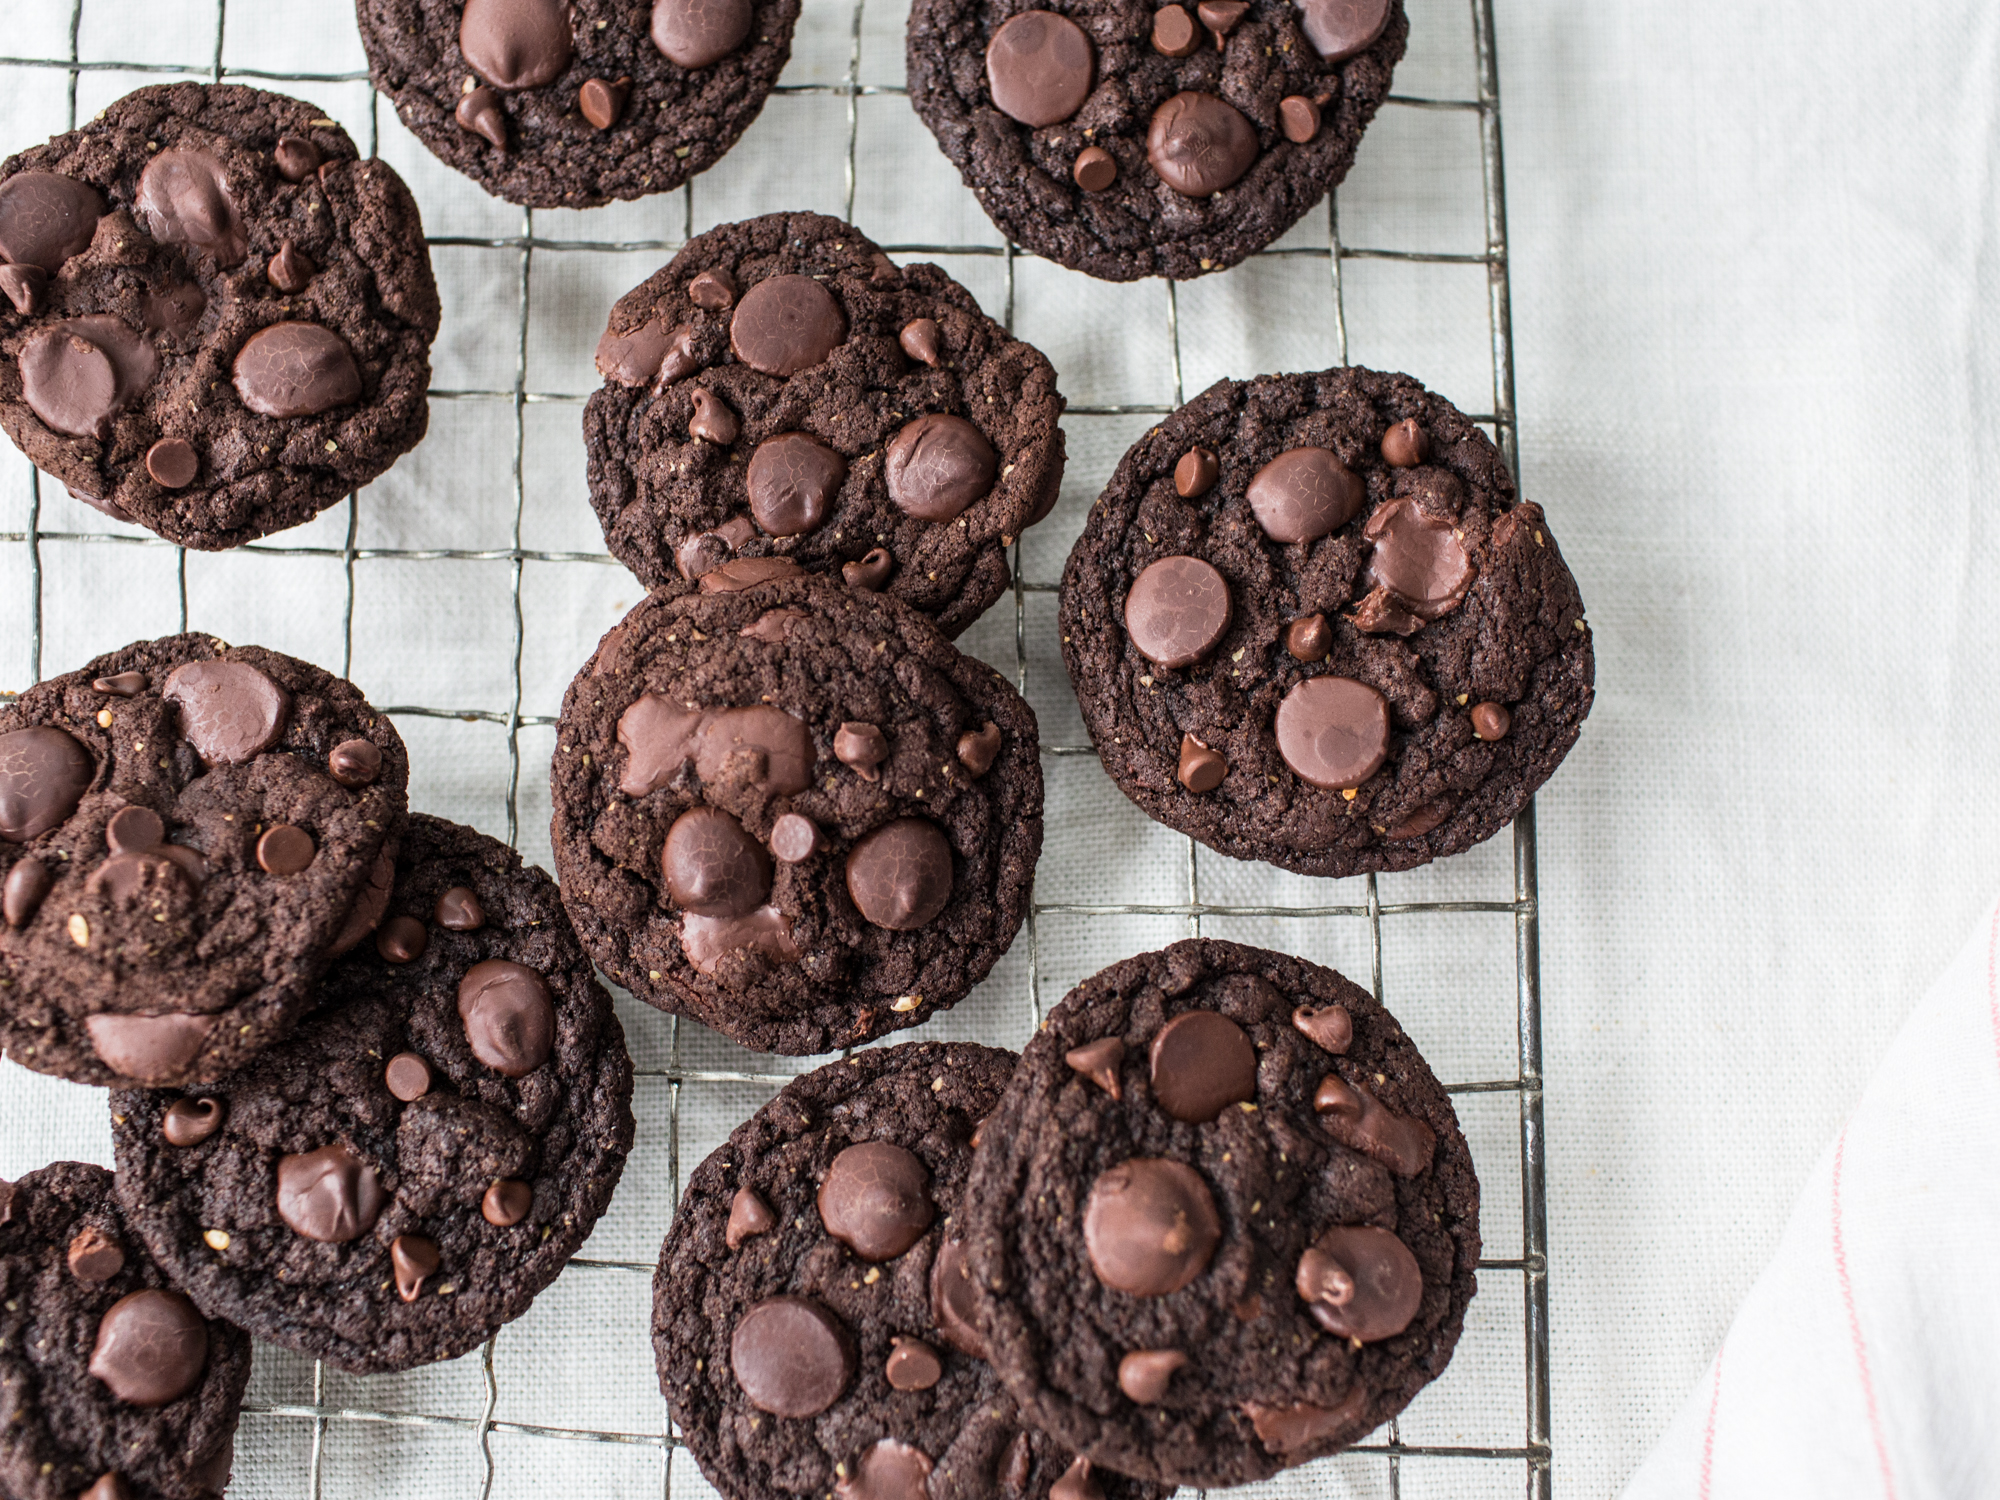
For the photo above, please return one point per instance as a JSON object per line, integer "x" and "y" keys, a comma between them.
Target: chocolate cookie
{"x": 791, "y": 811}
{"x": 1309, "y": 622}
{"x": 188, "y": 833}
{"x": 1129, "y": 139}
{"x": 571, "y": 103}
{"x": 115, "y": 1388}
{"x": 425, "y": 1154}
{"x": 1223, "y": 1221}
{"x": 780, "y": 389}
{"x": 810, "y": 1314}
{"x": 217, "y": 318}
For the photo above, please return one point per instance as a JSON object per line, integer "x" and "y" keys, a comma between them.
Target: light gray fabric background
{"x": 1754, "y": 281}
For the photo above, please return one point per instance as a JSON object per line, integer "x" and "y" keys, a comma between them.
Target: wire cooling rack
{"x": 526, "y": 1413}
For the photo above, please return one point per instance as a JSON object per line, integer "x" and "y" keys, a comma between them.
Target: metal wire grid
{"x": 1534, "y": 1453}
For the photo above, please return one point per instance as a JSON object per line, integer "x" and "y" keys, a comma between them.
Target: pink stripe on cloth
{"x": 1708, "y": 1434}
{"x": 1854, "y": 1327}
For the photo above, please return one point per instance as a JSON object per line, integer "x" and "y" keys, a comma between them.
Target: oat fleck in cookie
{"x": 217, "y": 318}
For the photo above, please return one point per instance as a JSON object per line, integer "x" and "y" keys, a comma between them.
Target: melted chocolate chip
{"x": 149, "y": 1049}
{"x": 794, "y": 838}
{"x": 953, "y": 1307}
{"x": 1333, "y": 731}
{"x": 1077, "y": 1483}
{"x": 792, "y": 479}
{"x": 134, "y": 829}
{"x": 355, "y": 763}
{"x": 602, "y": 102}
{"x": 24, "y": 286}
{"x": 516, "y": 44}
{"x": 749, "y": 1216}
{"x": 1200, "y": 144}
{"x": 1291, "y": 1430}
{"x": 746, "y": 573}
{"x": 773, "y": 626}
{"x": 1305, "y": 494}
{"x": 1177, "y": 612}
{"x": 660, "y": 737}
{"x": 922, "y": 341}
{"x": 634, "y": 359}
{"x": 1418, "y": 558}
{"x": 297, "y": 158}
{"x": 1095, "y": 170}
{"x": 78, "y": 374}
{"x": 1144, "y": 1374}
{"x": 1174, "y": 32}
{"x": 24, "y": 891}
{"x": 184, "y": 199}
{"x": 94, "y": 1257}
{"x": 368, "y": 907}
{"x": 1201, "y": 1064}
{"x": 766, "y": 931}
{"x": 190, "y": 1121}
{"x": 1309, "y": 639}
{"x": 888, "y": 1469}
{"x": 1196, "y": 473}
{"x": 791, "y": 1356}
{"x": 861, "y": 748}
{"x": 1039, "y": 67}
{"x": 285, "y": 850}
{"x": 912, "y": 1365}
{"x": 1098, "y": 1061}
{"x": 121, "y": 685}
{"x": 714, "y": 290}
{"x": 1221, "y": 16}
{"x": 695, "y": 33}
{"x": 506, "y": 1203}
{"x": 786, "y": 324}
{"x": 1360, "y": 1282}
{"x": 174, "y": 311}
{"x": 172, "y": 463}
{"x": 290, "y": 269}
{"x": 1420, "y": 822}
{"x": 1150, "y": 1226}
{"x": 1340, "y": 29}
{"x": 295, "y": 369}
{"x": 1298, "y": 118}
{"x": 712, "y": 420}
{"x": 1018, "y": 1465}
{"x": 44, "y": 773}
{"x": 151, "y": 1348}
{"x": 45, "y": 219}
{"x": 1361, "y": 1122}
{"x": 509, "y": 1022}
{"x": 899, "y": 876}
{"x": 330, "y": 1195}
{"x": 1328, "y": 1027}
{"x": 978, "y": 748}
{"x": 414, "y": 1260}
{"x": 712, "y": 867}
{"x": 479, "y": 113}
{"x": 869, "y": 571}
{"x": 402, "y": 940}
{"x": 1405, "y": 445}
{"x": 876, "y": 1200}
{"x": 230, "y": 712}
{"x": 938, "y": 465}
{"x": 407, "y": 1076}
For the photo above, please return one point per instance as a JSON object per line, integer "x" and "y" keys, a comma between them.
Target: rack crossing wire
{"x": 1386, "y": 1464}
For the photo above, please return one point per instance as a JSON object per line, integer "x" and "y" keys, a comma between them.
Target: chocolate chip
{"x": 1144, "y": 1374}
{"x": 1195, "y": 474}
{"x": 1174, "y": 32}
{"x": 134, "y": 829}
{"x": 173, "y": 463}
{"x": 1381, "y": 613}
{"x": 712, "y": 419}
{"x": 1291, "y": 1430}
{"x": 355, "y": 762}
{"x": 94, "y": 1256}
{"x": 1310, "y": 638}
{"x": 881, "y": 269}
{"x": 659, "y": 738}
{"x": 45, "y": 219}
{"x": 1095, "y": 169}
{"x": 1418, "y": 558}
{"x": 1360, "y": 1282}
{"x": 1420, "y": 822}
{"x": 791, "y": 1356}
{"x": 407, "y": 1076}
{"x": 23, "y": 286}
{"x": 7, "y": 1192}
{"x": 1098, "y": 1061}
{"x": 1340, "y": 29}
{"x": 44, "y": 773}
{"x": 634, "y": 359}
{"x": 402, "y": 940}
{"x": 714, "y": 290}
{"x": 26, "y": 887}
{"x": 516, "y": 44}
{"x": 295, "y": 369}
{"x": 1202, "y": 1063}
{"x": 749, "y": 1215}
{"x": 1298, "y": 118}
{"x": 1328, "y": 1027}
{"x": 869, "y": 571}
{"x": 1361, "y": 1122}
{"x": 1491, "y": 721}
{"x": 1406, "y": 444}
{"x": 1200, "y": 769}
{"x": 953, "y": 1307}
{"x": 509, "y": 1021}
{"x": 938, "y": 465}
{"x": 978, "y": 749}
{"x": 888, "y": 1469}
{"x": 290, "y": 269}
{"x": 330, "y": 1195}
{"x": 183, "y": 198}
{"x": 121, "y": 685}
{"x": 602, "y": 102}
{"x": 1039, "y": 67}
{"x": 1178, "y": 610}
{"x": 912, "y": 1365}
{"x": 151, "y": 1348}
{"x": 861, "y": 748}
{"x": 506, "y": 1203}
{"x": 414, "y": 1260}
{"x": 1304, "y": 494}
{"x": 1018, "y": 1465}
{"x": 1200, "y": 144}
{"x": 78, "y": 374}
{"x": 1150, "y": 1226}
{"x": 792, "y": 479}
{"x": 1077, "y": 1482}
{"x": 1333, "y": 731}
{"x": 230, "y": 712}
{"x": 899, "y": 876}
{"x": 786, "y": 324}
{"x": 795, "y": 837}
{"x": 922, "y": 341}
{"x": 108, "y": 1487}
{"x": 285, "y": 850}
{"x": 712, "y": 867}
{"x": 367, "y": 911}
{"x": 695, "y": 33}
{"x": 1221, "y": 16}
{"x": 479, "y": 113}
{"x": 297, "y": 158}
{"x": 458, "y": 910}
{"x": 150, "y": 1049}
{"x": 746, "y": 573}
{"x": 876, "y": 1200}
{"x": 190, "y": 1121}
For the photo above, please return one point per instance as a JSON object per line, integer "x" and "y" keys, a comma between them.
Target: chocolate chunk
{"x": 150, "y": 1049}
{"x": 120, "y": 685}
{"x": 479, "y": 113}
{"x": 516, "y": 44}
{"x": 861, "y": 748}
{"x": 713, "y": 868}
{"x": 1178, "y": 611}
{"x": 1174, "y": 32}
{"x": 979, "y": 748}
{"x": 1309, "y": 639}
{"x": 173, "y": 463}
{"x": 1144, "y": 1374}
{"x": 660, "y": 738}
{"x": 1201, "y": 1064}
{"x": 888, "y": 1469}
{"x": 509, "y": 1021}
{"x": 95, "y": 1257}
{"x": 26, "y": 887}
{"x": 230, "y": 712}
{"x": 876, "y": 1200}
{"x": 1340, "y": 29}
{"x": 1406, "y": 444}
{"x": 1095, "y": 170}
{"x": 1196, "y": 473}
{"x": 1422, "y": 821}
{"x": 695, "y": 33}
{"x": 1418, "y": 558}
{"x": 912, "y": 1365}
{"x": 1150, "y": 1226}
{"x": 1221, "y": 16}
{"x": 747, "y": 572}
{"x": 414, "y": 1260}
{"x": 190, "y": 1121}
{"x": 1039, "y": 67}
{"x": 1491, "y": 721}
{"x": 791, "y": 1356}
{"x": 602, "y": 101}
{"x": 792, "y": 479}
{"x": 1289, "y": 1430}
{"x": 1077, "y": 1482}
{"x": 1328, "y": 1027}
{"x": 1200, "y": 144}
{"x": 869, "y": 571}
{"x": 1304, "y": 494}
{"x": 330, "y": 1195}
{"x": 634, "y": 358}
{"x": 714, "y": 289}
{"x": 184, "y": 199}
{"x": 773, "y": 626}
{"x": 938, "y": 465}
{"x": 713, "y": 421}
{"x": 1333, "y": 731}
{"x": 1298, "y": 118}
{"x": 786, "y": 324}
{"x": 402, "y": 940}
{"x": 407, "y": 1076}
{"x": 78, "y": 374}
{"x": 766, "y": 931}
{"x": 1361, "y": 1122}
{"x": 23, "y": 286}
{"x": 1382, "y": 613}
{"x": 151, "y": 1348}
{"x": 506, "y": 1203}
{"x": 290, "y": 269}
{"x": 954, "y": 1308}
{"x": 45, "y": 219}
{"x": 285, "y": 850}
{"x": 44, "y": 773}
{"x": 795, "y": 838}
{"x": 899, "y": 876}
{"x": 1098, "y": 1061}
{"x": 1360, "y": 1282}
{"x": 295, "y": 369}
{"x": 297, "y": 158}
{"x": 355, "y": 763}
{"x": 749, "y": 1215}
{"x": 922, "y": 341}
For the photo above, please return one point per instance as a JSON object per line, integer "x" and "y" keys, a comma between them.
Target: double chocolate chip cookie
{"x": 1130, "y": 138}
{"x": 781, "y": 389}
{"x": 189, "y": 832}
{"x": 425, "y": 1154}
{"x": 1223, "y": 1221}
{"x": 115, "y": 1387}
{"x": 571, "y": 103}
{"x": 792, "y": 811}
{"x": 1310, "y": 622}
{"x": 217, "y": 318}
{"x": 811, "y": 1314}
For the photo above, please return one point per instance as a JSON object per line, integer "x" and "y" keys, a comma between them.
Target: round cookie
{"x": 793, "y": 812}
{"x": 427, "y": 1151}
{"x": 780, "y": 388}
{"x": 116, "y": 1388}
{"x": 217, "y": 318}
{"x": 571, "y": 103}
{"x": 1130, "y": 138}
{"x": 809, "y": 1313}
{"x": 188, "y": 833}
{"x": 1309, "y": 622}
{"x": 1223, "y": 1221}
